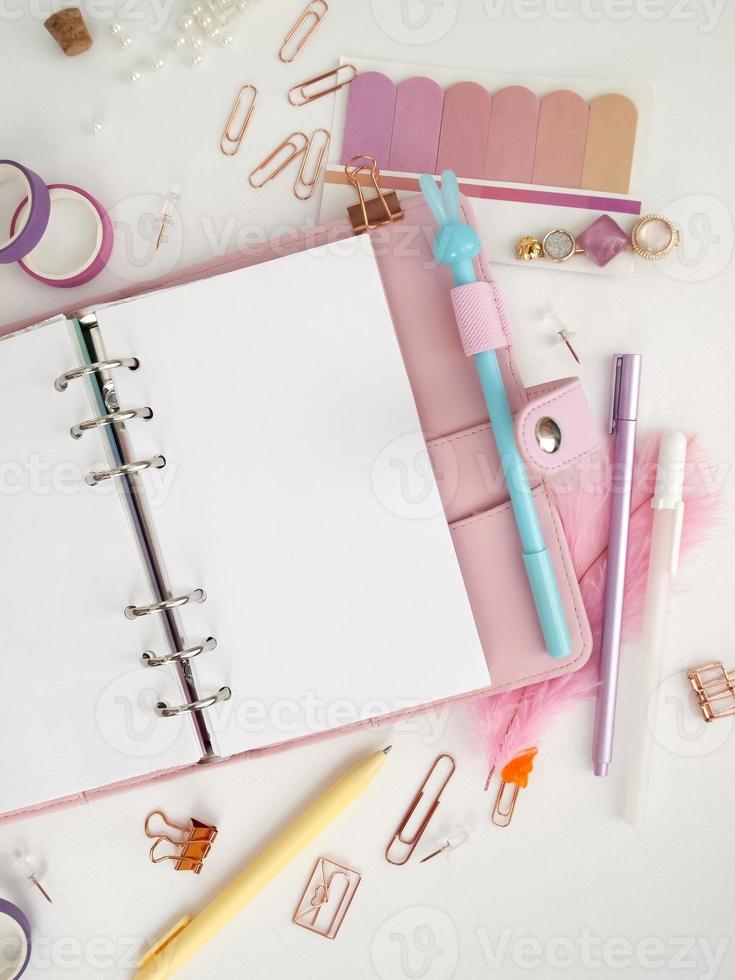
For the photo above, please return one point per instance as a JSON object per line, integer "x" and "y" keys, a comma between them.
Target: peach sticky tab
{"x": 371, "y": 106}
{"x": 465, "y": 128}
{"x": 416, "y": 126}
{"x": 511, "y": 145}
{"x": 562, "y": 135}
{"x": 608, "y": 158}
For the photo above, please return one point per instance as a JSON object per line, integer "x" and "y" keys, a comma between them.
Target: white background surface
{"x": 588, "y": 893}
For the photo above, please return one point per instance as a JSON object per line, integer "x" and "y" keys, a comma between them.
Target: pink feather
{"x": 512, "y": 722}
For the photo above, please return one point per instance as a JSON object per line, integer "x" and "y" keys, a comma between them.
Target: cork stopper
{"x": 69, "y": 29}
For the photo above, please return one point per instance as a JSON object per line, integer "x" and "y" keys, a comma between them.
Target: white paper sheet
{"x": 75, "y": 701}
{"x": 284, "y": 412}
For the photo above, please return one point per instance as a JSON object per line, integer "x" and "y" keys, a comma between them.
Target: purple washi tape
{"x": 25, "y": 239}
{"x": 95, "y": 262}
{"x": 14, "y": 965}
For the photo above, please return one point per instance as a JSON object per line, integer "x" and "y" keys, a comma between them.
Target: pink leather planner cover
{"x": 462, "y": 450}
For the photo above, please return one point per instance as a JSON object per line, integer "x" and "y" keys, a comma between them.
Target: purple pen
{"x": 626, "y": 379}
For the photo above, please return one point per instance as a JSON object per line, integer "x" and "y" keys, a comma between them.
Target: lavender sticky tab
{"x": 371, "y": 107}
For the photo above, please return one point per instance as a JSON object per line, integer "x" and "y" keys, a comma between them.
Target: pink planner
{"x": 279, "y": 465}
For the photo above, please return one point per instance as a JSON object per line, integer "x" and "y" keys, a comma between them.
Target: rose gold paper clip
{"x": 230, "y": 144}
{"x": 304, "y": 187}
{"x": 311, "y": 17}
{"x": 190, "y": 850}
{"x": 400, "y": 836}
{"x": 714, "y": 690}
{"x": 294, "y": 144}
{"x": 301, "y": 95}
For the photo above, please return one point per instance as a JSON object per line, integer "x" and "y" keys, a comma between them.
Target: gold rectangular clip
{"x": 381, "y": 209}
{"x": 714, "y": 690}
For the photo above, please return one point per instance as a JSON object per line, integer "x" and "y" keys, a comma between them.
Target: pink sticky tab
{"x": 465, "y": 128}
{"x": 371, "y": 106}
{"x": 416, "y": 126}
{"x": 511, "y": 145}
{"x": 562, "y": 135}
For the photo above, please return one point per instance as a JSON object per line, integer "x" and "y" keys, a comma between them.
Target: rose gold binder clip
{"x": 191, "y": 848}
{"x": 230, "y": 144}
{"x": 304, "y": 185}
{"x": 378, "y": 210}
{"x": 714, "y": 690}
{"x": 401, "y": 836}
{"x": 514, "y": 774}
{"x": 310, "y": 18}
{"x": 326, "y": 898}
{"x": 275, "y": 163}
{"x": 301, "y": 94}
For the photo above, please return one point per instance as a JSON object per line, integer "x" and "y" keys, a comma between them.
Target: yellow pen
{"x": 188, "y": 936}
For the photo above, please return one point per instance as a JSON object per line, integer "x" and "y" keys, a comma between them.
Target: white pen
{"x": 668, "y": 518}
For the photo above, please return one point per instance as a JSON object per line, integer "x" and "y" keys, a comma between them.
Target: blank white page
{"x": 283, "y": 409}
{"x": 75, "y": 700}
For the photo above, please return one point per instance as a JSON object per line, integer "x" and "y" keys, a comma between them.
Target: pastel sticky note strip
{"x": 371, "y": 107}
{"x": 608, "y": 158}
{"x": 465, "y": 128}
{"x": 416, "y": 126}
{"x": 561, "y": 140}
{"x": 511, "y": 144}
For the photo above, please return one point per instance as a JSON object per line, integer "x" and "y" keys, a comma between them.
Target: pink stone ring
{"x": 653, "y": 237}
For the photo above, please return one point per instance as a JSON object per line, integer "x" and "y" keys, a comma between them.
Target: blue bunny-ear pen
{"x": 456, "y": 244}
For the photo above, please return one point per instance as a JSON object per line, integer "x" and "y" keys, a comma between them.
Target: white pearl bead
{"x": 213, "y": 33}
{"x": 125, "y": 40}
{"x": 226, "y": 40}
{"x": 196, "y": 42}
{"x": 115, "y": 28}
{"x": 196, "y": 59}
{"x": 186, "y": 22}
{"x": 135, "y": 76}
{"x": 242, "y": 5}
{"x": 157, "y": 64}
{"x": 95, "y": 127}
{"x": 178, "y": 40}
{"x": 196, "y": 8}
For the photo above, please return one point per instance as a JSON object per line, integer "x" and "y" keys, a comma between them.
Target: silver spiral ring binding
{"x": 77, "y": 431}
{"x": 149, "y": 659}
{"x": 133, "y": 612}
{"x": 63, "y": 380}
{"x": 156, "y": 462}
{"x": 166, "y": 711}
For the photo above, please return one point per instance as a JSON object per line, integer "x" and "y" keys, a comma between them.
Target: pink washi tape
{"x": 91, "y": 265}
{"x": 25, "y": 238}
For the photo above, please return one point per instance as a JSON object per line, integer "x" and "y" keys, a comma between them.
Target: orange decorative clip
{"x": 400, "y": 836}
{"x": 514, "y": 774}
{"x": 190, "y": 849}
{"x": 381, "y": 209}
{"x": 311, "y": 17}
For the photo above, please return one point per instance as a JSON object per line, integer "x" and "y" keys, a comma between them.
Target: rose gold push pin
{"x": 564, "y": 334}
{"x": 26, "y": 869}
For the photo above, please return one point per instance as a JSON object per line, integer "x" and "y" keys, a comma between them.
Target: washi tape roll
{"x": 36, "y": 263}
{"x": 25, "y": 239}
{"x": 15, "y": 944}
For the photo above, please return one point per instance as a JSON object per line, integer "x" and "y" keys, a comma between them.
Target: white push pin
{"x": 24, "y": 866}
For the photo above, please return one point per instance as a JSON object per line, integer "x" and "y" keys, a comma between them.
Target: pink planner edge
{"x": 460, "y": 444}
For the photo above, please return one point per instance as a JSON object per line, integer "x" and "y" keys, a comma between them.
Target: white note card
{"x": 283, "y": 409}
